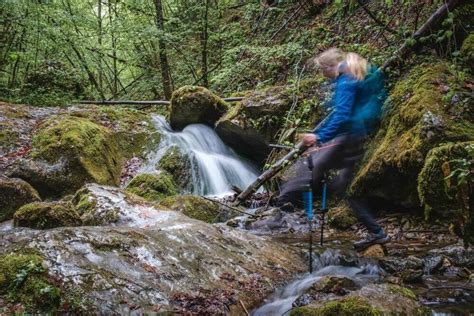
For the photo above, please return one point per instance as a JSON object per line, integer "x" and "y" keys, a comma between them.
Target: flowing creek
{"x": 215, "y": 167}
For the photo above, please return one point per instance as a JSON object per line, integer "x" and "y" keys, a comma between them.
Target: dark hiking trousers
{"x": 342, "y": 154}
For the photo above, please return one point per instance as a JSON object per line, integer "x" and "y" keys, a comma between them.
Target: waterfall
{"x": 215, "y": 167}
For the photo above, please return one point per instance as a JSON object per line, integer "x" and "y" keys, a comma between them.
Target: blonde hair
{"x": 331, "y": 57}
{"x": 357, "y": 66}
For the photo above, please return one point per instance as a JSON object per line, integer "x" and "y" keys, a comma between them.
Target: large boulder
{"x": 13, "y": 194}
{"x": 193, "y": 206}
{"x": 74, "y": 151}
{"x": 193, "y": 104}
{"x": 467, "y": 51}
{"x": 271, "y": 115}
{"x": 154, "y": 260}
{"x": 46, "y": 215}
{"x": 422, "y": 112}
{"x": 153, "y": 186}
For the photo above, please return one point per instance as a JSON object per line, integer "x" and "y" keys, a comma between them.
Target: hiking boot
{"x": 372, "y": 239}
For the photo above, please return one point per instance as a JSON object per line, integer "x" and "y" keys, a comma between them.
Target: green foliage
{"x": 23, "y": 279}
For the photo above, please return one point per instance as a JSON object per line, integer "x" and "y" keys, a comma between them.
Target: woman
{"x": 356, "y": 104}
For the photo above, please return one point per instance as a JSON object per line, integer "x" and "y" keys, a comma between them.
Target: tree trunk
{"x": 165, "y": 69}
{"x": 205, "y": 79}
{"x": 99, "y": 40}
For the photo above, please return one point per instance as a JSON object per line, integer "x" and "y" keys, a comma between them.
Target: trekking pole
{"x": 308, "y": 201}
{"x": 323, "y": 209}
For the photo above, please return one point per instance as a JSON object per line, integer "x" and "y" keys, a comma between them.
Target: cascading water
{"x": 215, "y": 167}
{"x": 328, "y": 263}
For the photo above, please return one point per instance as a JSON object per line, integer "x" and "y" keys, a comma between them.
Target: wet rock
{"x": 432, "y": 264}
{"x": 193, "y": 206}
{"x": 45, "y": 215}
{"x": 192, "y": 104}
{"x": 410, "y": 270}
{"x": 334, "y": 284}
{"x": 104, "y": 205}
{"x": 374, "y": 251}
{"x": 178, "y": 165}
{"x": 13, "y": 194}
{"x": 457, "y": 255}
{"x": 165, "y": 261}
{"x": 411, "y": 276}
{"x": 153, "y": 186}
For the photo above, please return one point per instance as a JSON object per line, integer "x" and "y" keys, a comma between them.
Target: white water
{"x": 215, "y": 167}
{"x": 328, "y": 263}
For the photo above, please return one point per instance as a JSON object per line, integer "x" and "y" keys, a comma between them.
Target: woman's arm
{"x": 343, "y": 101}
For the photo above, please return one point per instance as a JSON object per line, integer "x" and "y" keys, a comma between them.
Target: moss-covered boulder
{"x": 372, "y": 299}
{"x": 178, "y": 165}
{"x": 418, "y": 117}
{"x": 45, "y": 215}
{"x": 349, "y": 306}
{"x": 193, "y": 206}
{"x": 193, "y": 104}
{"x": 89, "y": 151}
{"x": 24, "y": 281}
{"x": 467, "y": 51}
{"x": 133, "y": 129}
{"x": 13, "y": 194}
{"x": 341, "y": 217}
{"x": 445, "y": 184}
{"x": 153, "y": 187}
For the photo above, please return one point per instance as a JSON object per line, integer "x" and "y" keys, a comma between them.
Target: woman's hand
{"x": 309, "y": 139}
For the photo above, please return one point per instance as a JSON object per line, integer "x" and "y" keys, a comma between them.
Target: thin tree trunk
{"x": 112, "y": 15}
{"x": 204, "y": 36}
{"x": 99, "y": 40}
{"x": 165, "y": 68}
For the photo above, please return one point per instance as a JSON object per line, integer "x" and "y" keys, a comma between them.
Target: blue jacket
{"x": 356, "y": 106}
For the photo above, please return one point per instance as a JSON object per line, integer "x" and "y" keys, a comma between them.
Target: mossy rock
{"x": 341, "y": 217}
{"x": 24, "y": 280}
{"x": 193, "y": 206}
{"x": 153, "y": 187}
{"x": 13, "y": 194}
{"x": 90, "y": 150}
{"x": 133, "y": 129}
{"x": 349, "y": 306}
{"x": 444, "y": 192}
{"x": 193, "y": 104}
{"x": 178, "y": 165}
{"x": 467, "y": 51}
{"x": 417, "y": 119}
{"x": 45, "y": 215}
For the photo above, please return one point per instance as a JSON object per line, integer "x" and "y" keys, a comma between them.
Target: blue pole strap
{"x": 323, "y": 203}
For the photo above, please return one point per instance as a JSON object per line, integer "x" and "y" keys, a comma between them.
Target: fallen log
{"x": 413, "y": 42}
{"x": 151, "y": 102}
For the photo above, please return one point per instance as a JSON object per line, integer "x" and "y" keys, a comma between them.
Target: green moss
{"x": 349, "y": 306}
{"x": 90, "y": 149}
{"x": 402, "y": 291}
{"x": 23, "y": 279}
{"x": 417, "y": 119}
{"x": 84, "y": 203}
{"x": 45, "y": 215}
{"x": 13, "y": 194}
{"x": 152, "y": 187}
{"x": 178, "y": 165}
{"x": 193, "y": 104}
{"x": 467, "y": 51}
{"x": 443, "y": 186}
{"x": 193, "y": 206}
